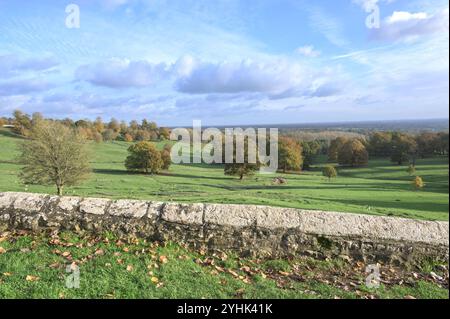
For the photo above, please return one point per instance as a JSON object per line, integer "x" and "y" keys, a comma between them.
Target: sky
{"x": 226, "y": 62}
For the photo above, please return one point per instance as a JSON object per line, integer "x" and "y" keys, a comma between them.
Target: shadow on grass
{"x": 9, "y": 133}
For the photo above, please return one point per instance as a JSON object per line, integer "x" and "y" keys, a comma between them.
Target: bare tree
{"x": 54, "y": 155}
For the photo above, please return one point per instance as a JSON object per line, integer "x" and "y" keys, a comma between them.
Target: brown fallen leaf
{"x": 7, "y": 274}
{"x": 99, "y": 252}
{"x": 129, "y": 268}
{"x": 31, "y": 278}
{"x": 163, "y": 259}
{"x": 65, "y": 254}
{"x": 2, "y": 250}
{"x": 154, "y": 280}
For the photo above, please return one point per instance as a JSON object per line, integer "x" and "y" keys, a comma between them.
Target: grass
{"x": 34, "y": 266}
{"x": 382, "y": 188}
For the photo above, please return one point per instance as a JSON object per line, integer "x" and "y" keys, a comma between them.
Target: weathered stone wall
{"x": 247, "y": 229}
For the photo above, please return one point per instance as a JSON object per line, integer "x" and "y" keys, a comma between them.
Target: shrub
{"x": 329, "y": 172}
{"x": 418, "y": 183}
{"x": 144, "y": 157}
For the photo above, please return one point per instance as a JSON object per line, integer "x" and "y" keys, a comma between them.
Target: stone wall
{"x": 246, "y": 229}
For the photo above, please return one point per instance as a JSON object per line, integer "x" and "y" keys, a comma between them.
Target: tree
{"x": 246, "y": 168}
{"x": 22, "y": 123}
{"x": 380, "y": 144}
{"x": 97, "y": 137}
{"x": 166, "y": 159}
{"x": 427, "y": 144}
{"x": 353, "y": 153}
{"x": 418, "y": 183}
{"x": 109, "y": 135}
{"x": 98, "y": 125}
{"x": 55, "y": 154}
{"x": 114, "y": 125}
{"x": 310, "y": 151}
{"x": 404, "y": 148}
{"x": 411, "y": 169}
{"x": 128, "y": 138}
{"x": 289, "y": 154}
{"x": 164, "y": 133}
{"x": 144, "y": 157}
{"x": 443, "y": 143}
{"x": 335, "y": 146}
{"x": 329, "y": 172}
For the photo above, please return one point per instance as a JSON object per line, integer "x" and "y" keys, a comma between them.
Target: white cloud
{"x": 308, "y": 51}
{"x": 117, "y": 73}
{"x": 401, "y": 16}
{"x": 406, "y": 26}
{"x": 275, "y": 79}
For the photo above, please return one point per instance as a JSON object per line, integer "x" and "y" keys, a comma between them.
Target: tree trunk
{"x": 59, "y": 190}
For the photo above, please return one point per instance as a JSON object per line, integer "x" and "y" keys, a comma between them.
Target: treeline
{"x": 400, "y": 147}
{"x": 97, "y": 130}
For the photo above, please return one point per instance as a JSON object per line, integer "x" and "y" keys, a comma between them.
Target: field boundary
{"x": 247, "y": 229}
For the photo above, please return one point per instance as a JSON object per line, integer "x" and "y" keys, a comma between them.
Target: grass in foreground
{"x": 34, "y": 266}
{"x": 382, "y": 188}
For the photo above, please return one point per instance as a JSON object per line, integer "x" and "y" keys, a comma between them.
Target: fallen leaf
{"x": 154, "y": 280}
{"x": 163, "y": 259}
{"x": 2, "y": 250}
{"x": 7, "y": 274}
{"x": 129, "y": 268}
{"x": 31, "y": 278}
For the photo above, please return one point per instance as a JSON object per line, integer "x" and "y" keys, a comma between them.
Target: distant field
{"x": 381, "y": 188}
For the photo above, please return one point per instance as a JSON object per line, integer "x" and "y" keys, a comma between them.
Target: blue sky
{"x": 226, "y": 61}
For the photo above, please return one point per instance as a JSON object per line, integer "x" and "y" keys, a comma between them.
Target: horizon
{"x": 227, "y": 62}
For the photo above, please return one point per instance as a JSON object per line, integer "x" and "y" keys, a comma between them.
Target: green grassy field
{"x": 382, "y": 188}
{"x": 35, "y": 266}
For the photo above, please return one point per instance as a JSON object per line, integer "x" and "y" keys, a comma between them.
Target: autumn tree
{"x": 128, "y": 138}
{"x": 380, "y": 144}
{"x": 335, "y": 146}
{"x": 164, "y": 133}
{"x": 114, "y": 125}
{"x": 166, "y": 158}
{"x": 289, "y": 154}
{"x": 329, "y": 171}
{"x": 109, "y": 135}
{"x": 144, "y": 157}
{"x": 418, "y": 183}
{"x": 99, "y": 125}
{"x": 54, "y": 155}
{"x": 22, "y": 123}
{"x": 353, "y": 153}
{"x": 404, "y": 148}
